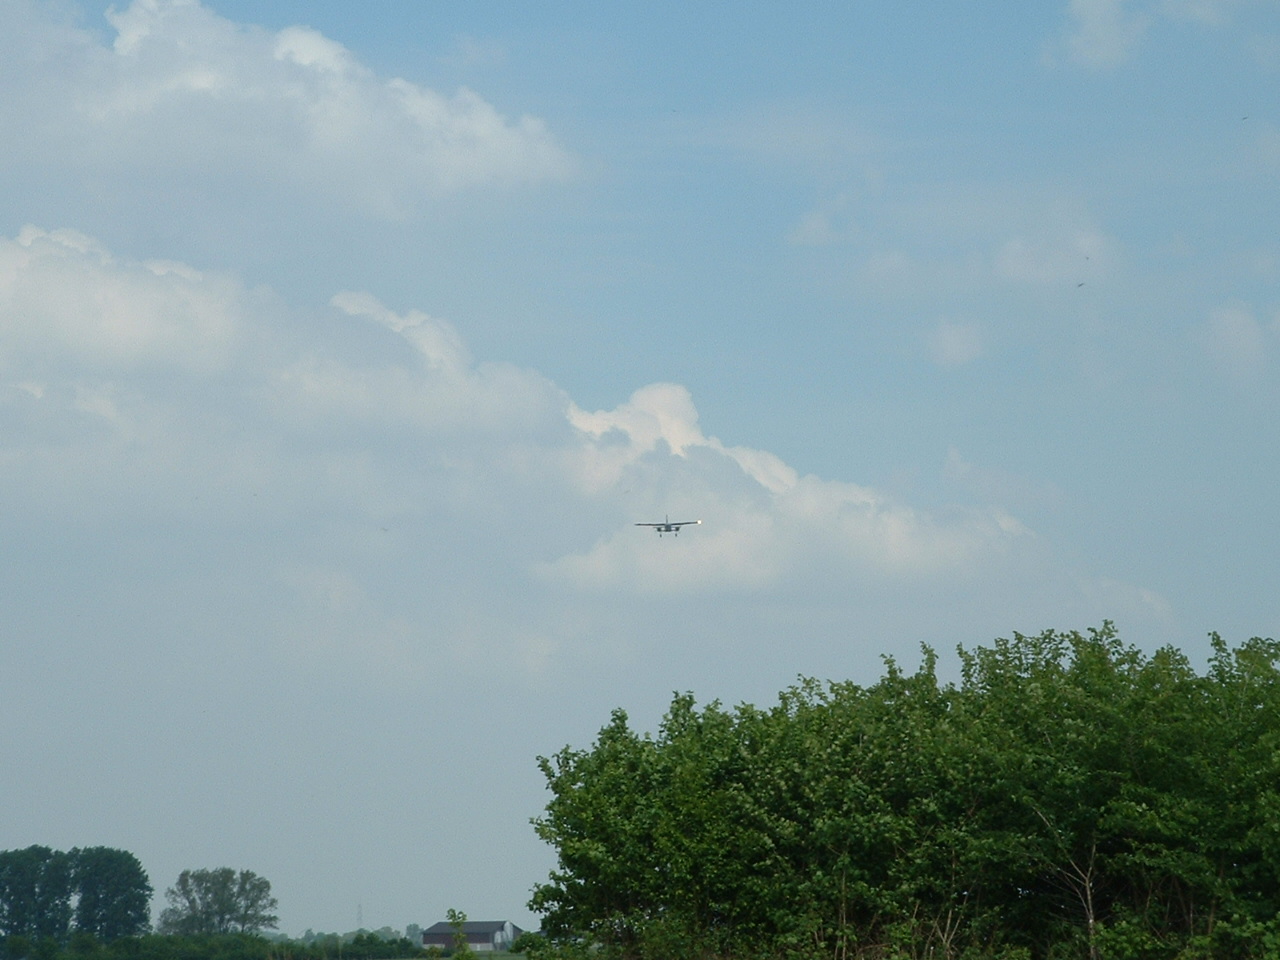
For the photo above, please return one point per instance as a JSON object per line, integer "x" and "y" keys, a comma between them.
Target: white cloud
{"x": 765, "y": 524}
{"x": 61, "y": 287}
{"x": 661, "y": 412}
{"x": 445, "y": 391}
{"x": 65, "y": 293}
{"x": 436, "y": 340}
{"x": 427, "y": 435}
{"x": 183, "y": 88}
{"x": 816, "y": 532}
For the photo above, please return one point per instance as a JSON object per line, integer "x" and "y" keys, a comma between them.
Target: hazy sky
{"x": 342, "y": 345}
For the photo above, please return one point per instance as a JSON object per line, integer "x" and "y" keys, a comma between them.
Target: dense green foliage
{"x": 220, "y": 901}
{"x": 113, "y": 893}
{"x": 35, "y": 893}
{"x": 1069, "y": 797}
{"x": 384, "y": 944}
{"x": 47, "y": 894}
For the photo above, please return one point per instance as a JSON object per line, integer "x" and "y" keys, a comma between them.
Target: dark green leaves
{"x": 35, "y": 893}
{"x": 219, "y": 901}
{"x": 99, "y": 892}
{"x": 114, "y": 893}
{"x": 1071, "y": 796}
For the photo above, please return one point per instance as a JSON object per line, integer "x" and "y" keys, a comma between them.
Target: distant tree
{"x": 35, "y": 894}
{"x": 113, "y": 893}
{"x": 458, "y": 923}
{"x": 217, "y": 902}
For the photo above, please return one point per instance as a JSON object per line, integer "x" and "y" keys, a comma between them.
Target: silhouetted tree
{"x": 218, "y": 901}
{"x": 113, "y": 893}
{"x": 35, "y": 894}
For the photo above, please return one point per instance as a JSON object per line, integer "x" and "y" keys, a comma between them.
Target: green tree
{"x": 113, "y": 893}
{"x": 218, "y": 901}
{"x": 1071, "y": 796}
{"x": 35, "y": 894}
{"x": 458, "y": 923}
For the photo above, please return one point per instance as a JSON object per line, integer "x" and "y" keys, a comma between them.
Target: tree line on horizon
{"x": 1068, "y": 797}
{"x": 227, "y": 946}
{"x": 94, "y": 899}
{"x": 95, "y": 904}
{"x": 48, "y": 894}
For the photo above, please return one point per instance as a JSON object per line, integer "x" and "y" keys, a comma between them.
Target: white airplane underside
{"x": 666, "y": 526}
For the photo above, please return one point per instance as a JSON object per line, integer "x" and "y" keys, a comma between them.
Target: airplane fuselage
{"x": 668, "y": 527}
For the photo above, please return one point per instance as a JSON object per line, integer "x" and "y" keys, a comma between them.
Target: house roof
{"x": 472, "y": 926}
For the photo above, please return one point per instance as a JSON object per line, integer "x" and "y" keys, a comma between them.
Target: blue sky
{"x": 340, "y": 351}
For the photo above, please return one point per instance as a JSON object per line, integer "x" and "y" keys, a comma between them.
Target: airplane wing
{"x": 686, "y": 523}
{"x": 649, "y": 524}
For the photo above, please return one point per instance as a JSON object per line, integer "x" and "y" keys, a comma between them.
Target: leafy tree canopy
{"x": 47, "y": 895}
{"x": 220, "y": 901}
{"x": 1069, "y": 797}
{"x": 113, "y": 893}
{"x": 35, "y": 893}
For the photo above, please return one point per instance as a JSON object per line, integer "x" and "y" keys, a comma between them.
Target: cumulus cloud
{"x": 660, "y": 416}
{"x": 436, "y": 340}
{"x": 447, "y": 445}
{"x": 60, "y": 289}
{"x": 181, "y": 87}
{"x": 443, "y": 391}
{"x": 766, "y": 525}
{"x": 490, "y": 423}
{"x": 816, "y": 532}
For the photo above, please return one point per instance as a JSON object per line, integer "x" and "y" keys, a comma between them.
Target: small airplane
{"x": 668, "y": 527}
